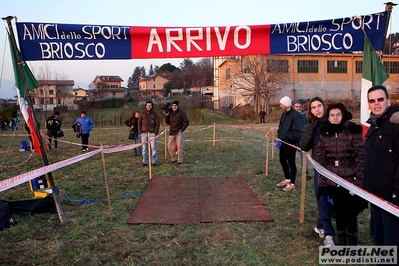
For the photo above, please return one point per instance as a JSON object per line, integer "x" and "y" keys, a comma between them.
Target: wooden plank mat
{"x": 191, "y": 200}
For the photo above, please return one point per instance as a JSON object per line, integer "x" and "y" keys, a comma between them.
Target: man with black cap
{"x": 288, "y": 132}
{"x": 178, "y": 122}
{"x": 53, "y": 125}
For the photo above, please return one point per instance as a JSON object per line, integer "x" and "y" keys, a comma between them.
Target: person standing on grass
{"x": 85, "y": 125}
{"x": 288, "y": 132}
{"x": 309, "y": 141}
{"x": 132, "y": 123}
{"x": 149, "y": 122}
{"x": 53, "y": 125}
{"x": 178, "y": 122}
{"x": 262, "y": 115}
{"x": 341, "y": 151}
{"x": 299, "y": 107}
{"x": 381, "y": 171}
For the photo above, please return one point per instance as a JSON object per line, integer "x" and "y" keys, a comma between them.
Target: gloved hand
{"x": 395, "y": 197}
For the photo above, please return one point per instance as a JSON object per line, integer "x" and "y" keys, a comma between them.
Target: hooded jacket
{"x": 341, "y": 151}
{"x": 310, "y": 135}
{"x": 381, "y": 171}
{"x": 290, "y": 126}
{"x": 178, "y": 121}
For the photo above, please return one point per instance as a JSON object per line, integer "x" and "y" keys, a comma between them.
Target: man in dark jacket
{"x": 53, "y": 125}
{"x": 381, "y": 171}
{"x": 289, "y": 131}
{"x": 148, "y": 124}
{"x": 178, "y": 122}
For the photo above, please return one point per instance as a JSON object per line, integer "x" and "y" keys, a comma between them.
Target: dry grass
{"x": 89, "y": 237}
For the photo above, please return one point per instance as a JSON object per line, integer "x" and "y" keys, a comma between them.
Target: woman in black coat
{"x": 316, "y": 118}
{"x": 341, "y": 151}
{"x": 132, "y": 122}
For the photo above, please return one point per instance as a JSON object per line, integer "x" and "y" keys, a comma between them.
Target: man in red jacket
{"x": 178, "y": 122}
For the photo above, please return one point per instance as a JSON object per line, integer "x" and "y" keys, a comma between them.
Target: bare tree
{"x": 203, "y": 75}
{"x": 260, "y": 77}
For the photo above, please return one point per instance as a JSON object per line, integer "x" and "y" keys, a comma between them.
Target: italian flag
{"x": 373, "y": 73}
{"x": 22, "y": 90}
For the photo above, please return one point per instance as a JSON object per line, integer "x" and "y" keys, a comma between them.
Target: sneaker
{"x": 289, "y": 187}
{"x": 319, "y": 231}
{"x": 328, "y": 241}
{"x": 283, "y": 183}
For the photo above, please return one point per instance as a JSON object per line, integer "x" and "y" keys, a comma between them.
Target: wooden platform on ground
{"x": 192, "y": 200}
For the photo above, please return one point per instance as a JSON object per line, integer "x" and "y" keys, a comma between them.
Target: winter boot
{"x": 342, "y": 238}
{"x": 353, "y": 239}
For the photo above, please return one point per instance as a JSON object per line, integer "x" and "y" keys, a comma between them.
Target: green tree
{"x": 151, "y": 71}
{"x": 166, "y": 68}
{"x": 133, "y": 81}
{"x": 187, "y": 74}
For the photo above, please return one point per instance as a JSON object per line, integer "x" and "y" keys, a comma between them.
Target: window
{"x": 41, "y": 101}
{"x": 51, "y": 101}
{"x": 51, "y": 92}
{"x": 153, "y": 86}
{"x": 308, "y": 66}
{"x": 59, "y": 100}
{"x": 228, "y": 73}
{"x": 335, "y": 66}
{"x": 277, "y": 66}
{"x": 392, "y": 67}
{"x": 359, "y": 66}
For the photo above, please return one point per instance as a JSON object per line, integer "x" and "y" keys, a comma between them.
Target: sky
{"x": 161, "y": 13}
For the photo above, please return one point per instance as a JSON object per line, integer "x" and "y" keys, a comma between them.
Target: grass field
{"x": 90, "y": 237}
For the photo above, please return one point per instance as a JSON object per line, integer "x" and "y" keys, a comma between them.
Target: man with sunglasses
{"x": 381, "y": 175}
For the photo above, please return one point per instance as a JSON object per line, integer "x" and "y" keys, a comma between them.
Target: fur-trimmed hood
{"x": 347, "y": 125}
{"x": 395, "y": 118}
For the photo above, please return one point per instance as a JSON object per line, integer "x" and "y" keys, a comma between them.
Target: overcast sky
{"x": 162, "y": 13}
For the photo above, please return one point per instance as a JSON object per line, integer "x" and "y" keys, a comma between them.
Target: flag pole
{"x": 388, "y": 8}
{"x": 36, "y": 123}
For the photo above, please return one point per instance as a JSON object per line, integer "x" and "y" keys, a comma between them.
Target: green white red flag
{"x": 22, "y": 90}
{"x": 373, "y": 73}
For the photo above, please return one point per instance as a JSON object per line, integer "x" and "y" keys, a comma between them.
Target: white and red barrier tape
{"x": 370, "y": 197}
{"x": 383, "y": 204}
{"x": 25, "y": 177}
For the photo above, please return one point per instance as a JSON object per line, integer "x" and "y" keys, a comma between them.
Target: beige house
{"x": 106, "y": 87}
{"x": 52, "y": 94}
{"x": 330, "y": 76}
{"x": 79, "y": 94}
{"x": 152, "y": 85}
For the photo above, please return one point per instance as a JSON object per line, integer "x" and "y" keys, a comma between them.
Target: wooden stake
{"x": 273, "y": 144}
{"x": 106, "y": 186}
{"x": 166, "y": 144}
{"x": 267, "y": 156}
{"x": 149, "y": 154}
{"x": 214, "y": 134}
{"x": 303, "y": 188}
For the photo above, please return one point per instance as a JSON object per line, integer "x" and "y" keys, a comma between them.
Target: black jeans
{"x": 287, "y": 161}
{"x": 85, "y": 140}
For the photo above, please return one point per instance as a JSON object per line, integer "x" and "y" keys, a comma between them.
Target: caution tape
{"x": 383, "y": 204}
{"x": 370, "y": 197}
{"x": 25, "y": 177}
